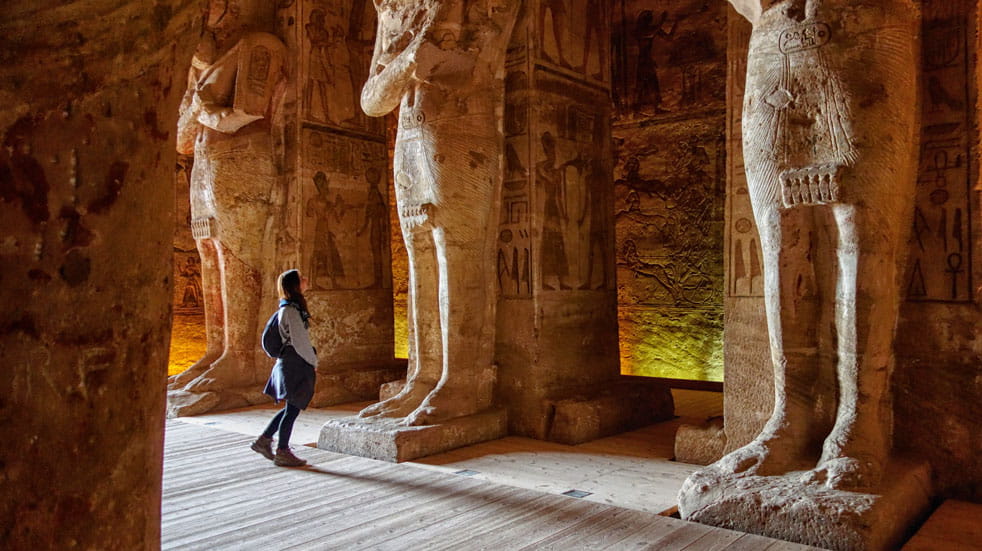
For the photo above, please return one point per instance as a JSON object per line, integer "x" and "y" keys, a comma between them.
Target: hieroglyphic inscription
{"x": 940, "y": 264}
{"x": 805, "y": 37}
{"x": 513, "y": 258}
{"x": 744, "y": 271}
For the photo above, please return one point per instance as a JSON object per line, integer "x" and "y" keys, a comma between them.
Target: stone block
{"x": 621, "y": 407}
{"x": 700, "y": 444}
{"x": 355, "y": 384}
{"x": 185, "y": 404}
{"x": 799, "y": 507}
{"x": 386, "y": 440}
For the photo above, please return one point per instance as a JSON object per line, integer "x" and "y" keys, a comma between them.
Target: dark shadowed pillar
{"x": 88, "y": 104}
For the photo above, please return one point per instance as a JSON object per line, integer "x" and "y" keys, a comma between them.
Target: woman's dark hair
{"x": 288, "y": 284}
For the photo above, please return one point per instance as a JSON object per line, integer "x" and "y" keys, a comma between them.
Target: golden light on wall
{"x": 187, "y": 343}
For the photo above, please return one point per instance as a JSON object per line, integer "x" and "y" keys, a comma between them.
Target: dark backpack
{"x": 272, "y": 341}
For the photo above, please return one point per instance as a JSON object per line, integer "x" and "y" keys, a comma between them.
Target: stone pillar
{"x": 88, "y": 108}
{"x": 557, "y": 347}
{"x": 336, "y": 223}
{"x": 937, "y": 352}
{"x": 829, "y": 134}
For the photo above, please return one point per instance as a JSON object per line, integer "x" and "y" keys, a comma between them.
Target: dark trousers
{"x": 282, "y": 422}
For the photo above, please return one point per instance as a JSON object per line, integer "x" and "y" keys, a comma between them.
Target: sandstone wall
{"x": 88, "y": 104}
{"x": 668, "y": 62}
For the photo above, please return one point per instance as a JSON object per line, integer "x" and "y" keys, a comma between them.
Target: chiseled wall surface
{"x": 669, "y": 88}
{"x": 88, "y": 103}
{"x": 937, "y": 381}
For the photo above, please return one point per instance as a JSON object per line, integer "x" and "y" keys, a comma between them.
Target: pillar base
{"x": 355, "y": 382}
{"x": 385, "y": 440}
{"x": 799, "y": 508}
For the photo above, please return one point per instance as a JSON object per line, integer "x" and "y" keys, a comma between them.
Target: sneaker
{"x": 285, "y": 458}
{"x": 264, "y": 447}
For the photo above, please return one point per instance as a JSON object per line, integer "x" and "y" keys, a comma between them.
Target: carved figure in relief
{"x": 597, "y": 215}
{"x": 441, "y": 62}
{"x": 830, "y": 148}
{"x": 552, "y": 178}
{"x": 191, "y": 272}
{"x": 376, "y": 213}
{"x": 330, "y": 93}
{"x": 328, "y": 266}
{"x": 648, "y": 89}
{"x": 556, "y": 9}
{"x": 226, "y": 120}
{"x": 595, "y": 21}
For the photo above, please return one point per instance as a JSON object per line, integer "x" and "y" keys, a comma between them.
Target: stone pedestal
{"x": 700, "y": 444}
{"x": 355, "y": 383}
{"x": 799, "y": 507}
{"x": 618, "y": 407}
{"x": 386, "y": 440}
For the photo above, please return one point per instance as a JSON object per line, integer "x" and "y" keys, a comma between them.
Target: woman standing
{"x": 293, "y": 375}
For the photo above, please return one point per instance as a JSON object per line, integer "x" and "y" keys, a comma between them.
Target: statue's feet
{"x": 771, "y": 453}
{"x": 441, "y": 405}
{"x": 229, "y": 371}
{"x": 847, "y": 464}
{"x": 399, "y": 405}
{"x": 179, "y": 381}
{"x": 849, "y": 473}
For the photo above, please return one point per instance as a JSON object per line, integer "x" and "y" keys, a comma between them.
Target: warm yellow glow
{"x": 672, "y": 343}
{"x": 187, "y": 343}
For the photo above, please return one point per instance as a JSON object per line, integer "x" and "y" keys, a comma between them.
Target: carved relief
{"x": 665, "y": 60}
{"x": 572, "y": 188}
{"x": 573, "y": 36}
{"x": 940, "y": 267}
{"x": 744, "y": 270}
{"x": 344, "y": 213}
{"x": 669, "y": 218}
{"x": 336, "y": 50}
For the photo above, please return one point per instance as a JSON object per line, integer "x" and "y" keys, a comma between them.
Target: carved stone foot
{"x": 849, "y": 473}
{"x": 439, "y": 406}
{"x": 179, "y": 381}
{"x": 769, "y": 454}
{"x": 224, "y": 373}
{"x": 400, "y": 405}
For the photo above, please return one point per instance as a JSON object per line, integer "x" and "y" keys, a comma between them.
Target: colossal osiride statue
{"x": 227, "y": 121}
{"x": 830, "y": 147}
{"x": 441, "y": 63}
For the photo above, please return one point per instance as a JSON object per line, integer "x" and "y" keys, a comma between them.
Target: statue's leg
{"x": 214, "y": 315}
{"x": 867, "y": 305}
{"x": 792, "y": 305}
{"x": 424, "y": 347}
{"x": 241, "y": 294}
{"x": 466, "y": 377}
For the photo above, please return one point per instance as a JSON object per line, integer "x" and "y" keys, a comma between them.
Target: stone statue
{"x": 441, "y": 62}
{"x": 227, "y": 121}
{"x": 829, "y": 141}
